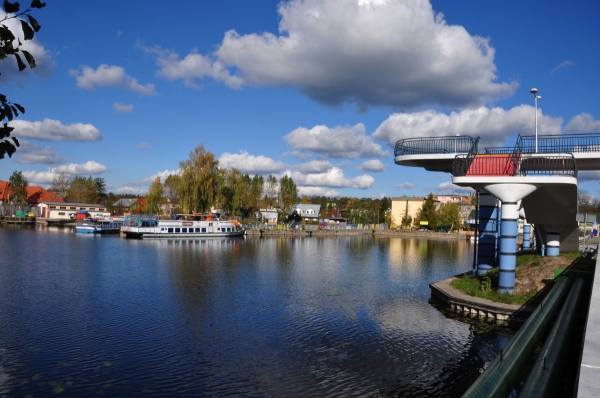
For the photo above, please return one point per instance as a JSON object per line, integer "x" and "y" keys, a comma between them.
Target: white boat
{"x": 95, "y": 226}
{"x": 188, "y": 226}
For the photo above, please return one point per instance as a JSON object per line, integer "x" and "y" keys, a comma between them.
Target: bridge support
{"x": 488, "y": 228}
{"x": 526, "y": 236}
{"x": 553, "y": 239}
{"x": 509, "y": 194}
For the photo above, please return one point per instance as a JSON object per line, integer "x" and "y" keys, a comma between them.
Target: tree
{"x": 270, "y": 190}
{"x": 584, "y": 199}
{"x": 10, "y": 110}
{"x": 197, "y": 189}
{"x": 288, "y": 193}
{"x": 448, "y": 215}
{"x": 428, "y": 212}
{"x": 60, "y": 185}
{"x": 100, "y": 188}
{"x": 154, "y": 198}
{"x": 256, "y": 190}
{"x": 83, "y": 190}
{"x": 18, "y": 187}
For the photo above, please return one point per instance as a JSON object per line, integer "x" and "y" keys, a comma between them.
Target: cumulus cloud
{"x": 318, "y": 191}
{"x": 250, "y": 164}
{"x": 149, "y": 180}
{"x": 405, "y": 185}
{"x": 131, "y": 190}
{"x": 143, "y": 145}
{"x": 33, "y": 154}
{"x": 109, "y": 76}
{"x": 316, "y": 166}
{"x": 45, "y": 177}
{"x": 583, "y": 123}
{"x": 588, "y": 175}
{"x": 369, "y": 53}
{"x": 121, "y": 108}
{"x": 54, "y": 130}
{"x": 456, "y": 189}
{"x": 492, "y": 125}
{"x": 9, "y": 68}
{"x": 563, "y": 65}
{"x": 338, "y": 142}
{"x": 332, "y": 178}
{"x": 374, "y": 165}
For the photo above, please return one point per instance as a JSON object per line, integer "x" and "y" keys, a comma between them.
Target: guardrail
{"x": 515, "y": 165}
{"x": 565, "y": 143}
{"x": 435, "y": 145}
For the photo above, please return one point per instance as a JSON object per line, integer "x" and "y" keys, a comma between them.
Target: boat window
{"x": 170, "y": 229}
{"x": 162, "y": 229}
{"x": 91, "y": 208}
{"x": 177, "y": 229}
{"x": 210, "y": 224}
{"x": 218, "y": 229}
{"x": 72, "y": 208}
{"x": 197, "y": 229}
{"x": 184, "y": 230}
{"x": 203, "y": 229}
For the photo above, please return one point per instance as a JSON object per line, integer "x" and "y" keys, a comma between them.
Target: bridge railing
{"x": 435, "y": 145}
{"x": 506, "y": 165}
{"x": 565, "y": 143}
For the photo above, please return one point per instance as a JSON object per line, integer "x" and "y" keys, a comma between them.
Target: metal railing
{"x": 435, "y": 145}
{"x": 565, "y": 143}
{"x": 463, "y": 162}
{"x": 514, "y": 164}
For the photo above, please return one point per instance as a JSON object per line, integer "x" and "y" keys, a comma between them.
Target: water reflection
{"x": 320, "y": 316}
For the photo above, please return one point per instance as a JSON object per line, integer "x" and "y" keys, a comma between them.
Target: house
{"x": 308, "y": 212}
{"x": 67, "y": 211}
{"x": 405, "y": 206}
{"x": 35, "y": 194}
{"x": 270, "y": 215}
{"x": 458, "y": 199}
{"x": 134, "y": 205}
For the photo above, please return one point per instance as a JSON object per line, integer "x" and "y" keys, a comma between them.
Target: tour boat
{"x": 99, "y": 226}
{"x": 186, "y": 226}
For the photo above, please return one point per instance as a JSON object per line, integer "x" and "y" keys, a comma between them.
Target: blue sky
{"x": 318, "y": 89}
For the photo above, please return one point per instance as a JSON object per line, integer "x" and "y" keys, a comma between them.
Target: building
{"x": 308, "y": 212}
{"x": 134, "y": 205}
{"x": 405, "y": 206}
{"x": 35, "y": 195}
{"x": 67, "y": 211}
{"x": 458, "y": 199}
{"x": 269, "y": 215}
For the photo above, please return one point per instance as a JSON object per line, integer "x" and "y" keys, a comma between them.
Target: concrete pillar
{"x": 526, "y": 236}
{"x": 486, "y": 245}
{"x": 553, "y": 240}
{"x": 508, "y": 247}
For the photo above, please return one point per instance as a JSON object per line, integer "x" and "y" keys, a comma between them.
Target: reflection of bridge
{"x": 536, "y": 180}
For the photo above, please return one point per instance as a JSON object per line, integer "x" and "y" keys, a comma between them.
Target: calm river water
{"x": 85, "y": 316}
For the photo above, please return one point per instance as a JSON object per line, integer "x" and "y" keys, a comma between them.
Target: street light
{"x": 535, "y": 98}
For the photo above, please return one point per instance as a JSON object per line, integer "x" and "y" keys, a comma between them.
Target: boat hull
{"x": 154, "y": 235}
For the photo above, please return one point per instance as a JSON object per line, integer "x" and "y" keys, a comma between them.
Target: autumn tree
{"x": 60, "y": 185}
{"x": 154, "y": 198}
{"x": 448, "y": 216}
{"x": 18, "y": 188}
{"x": 428, "y": 212}
{"x": 197, "y": 189}
{"x": 256, "y": 189}
{"x": 10, "y": 45}
{"x": 83, "y": 190}
{"x": 288, "y": 193}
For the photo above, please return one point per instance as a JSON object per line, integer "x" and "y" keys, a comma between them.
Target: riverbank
{"x": 350, "y": 232}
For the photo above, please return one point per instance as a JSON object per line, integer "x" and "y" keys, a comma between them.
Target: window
{"x": 184, "y": 230}
{"x": 177, "y": 230}
{"x": 91, "y": 208}
{"x": 83, "y": 208}
{"x": 203, "y": 229}
{"x": 63, "y": 208}
{"x": 72, "y": 208}
{"x": 61, "y": 213}
{"x": 162, "y": 230}
{"x": 170, "y": 230}
{"x": 53, "y": 207}
{"x": 197, "y": 229}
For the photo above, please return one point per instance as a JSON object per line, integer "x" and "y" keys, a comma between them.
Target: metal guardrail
{"x": 515, "y": 165}
{"x": 435, "y": 145}
{"x": 565, "y": 143}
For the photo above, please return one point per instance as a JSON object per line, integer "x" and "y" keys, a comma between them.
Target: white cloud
{"x": 54, "y": 130}
{"x": 369, "y": 53}
{"x": 456, "y": 189}
{"x": 405, "y": 185}
{"x": 318, "y": 191}
{"x": 583, "y": 123}
{"x": 122, "y": 108}
{"x": 563, "y": 65}
{"x": 149, "y": 180}
{"x": 298, "y": 155}
{"x": 45, "y": 177}
{"x": 332, "y": 178}
{"x": 373, "y": 165}
{"x": 143, "y": 145}
{"x": 109, "y": 76}
{"x": 9, "y": 69}
{"x": 338, "y": 142}
{"x": 315, "y": 166}
{"x": 588, "y": 175}
{"x": 131, "y": 190}
{"x": 493, "y": 125}
{"x": 250, "y": 164}
{"x": 34, "y": 154}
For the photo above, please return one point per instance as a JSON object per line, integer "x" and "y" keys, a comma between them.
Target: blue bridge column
{"x": 486, "y": 245}
{"x": 508, "y": 247}
{"x": 526, "y": 236}
{"x": 553, "y": 240}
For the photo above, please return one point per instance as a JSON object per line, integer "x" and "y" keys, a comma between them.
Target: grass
{"x": 482, "y": 286}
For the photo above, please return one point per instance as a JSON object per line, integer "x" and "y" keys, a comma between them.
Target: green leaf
{"x": 34, "y": 23}
{"x": 19, "y": 106}
{"x": 27, "y": 31}
{"x": 20, "y": 62}
{"x": 11, "y": 7}
{"x": 29, "y": 58}
{"x": 37, "y": 4}
{"x": 6, "y": 34}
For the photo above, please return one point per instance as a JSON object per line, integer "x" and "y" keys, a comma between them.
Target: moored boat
{"x": 98, "y": 226}
{"x": 187, "y": 226}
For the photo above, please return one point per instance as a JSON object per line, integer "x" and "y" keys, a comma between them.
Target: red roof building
{"x": 35, "y": 194}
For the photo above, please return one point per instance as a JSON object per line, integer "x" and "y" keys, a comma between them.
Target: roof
{"x": 303, "y": 208}
{"x": 72, "y": 204}
{"x": 408, "y": 198}
{"x": 35, "y": 194}
{"x": 125, "y": 202}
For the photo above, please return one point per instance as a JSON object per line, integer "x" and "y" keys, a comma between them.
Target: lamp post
{"x": 535, "y": 98}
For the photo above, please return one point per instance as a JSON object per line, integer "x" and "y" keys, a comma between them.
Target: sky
{"x": 319, "y": 90}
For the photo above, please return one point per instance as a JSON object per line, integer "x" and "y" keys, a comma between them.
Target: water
{"x": 306, "y": 317}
